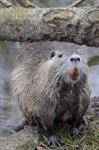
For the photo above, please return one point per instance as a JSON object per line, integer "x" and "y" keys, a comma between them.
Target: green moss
{"x": 93, "y": 61}
{"x": 21, "y": 12}
{"x": 27, "y": 146}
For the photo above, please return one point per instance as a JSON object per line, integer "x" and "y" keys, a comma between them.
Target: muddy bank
{"x": 21, "y": 140}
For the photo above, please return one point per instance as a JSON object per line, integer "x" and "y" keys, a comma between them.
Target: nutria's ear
{"x": 52, "y": 54}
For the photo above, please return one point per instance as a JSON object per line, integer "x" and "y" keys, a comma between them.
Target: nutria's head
{"x": 69, "y": 68}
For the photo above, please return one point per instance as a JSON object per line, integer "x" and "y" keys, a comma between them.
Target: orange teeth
{"x": 75, "y": 74}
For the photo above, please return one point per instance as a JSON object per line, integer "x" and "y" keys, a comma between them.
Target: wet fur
{"x": 38, "y": 84}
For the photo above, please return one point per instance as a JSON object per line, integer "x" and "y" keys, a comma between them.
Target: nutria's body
{"x": 45, "y": 90}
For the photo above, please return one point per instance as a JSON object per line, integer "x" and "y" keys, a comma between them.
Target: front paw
{"x": 53, "y": 140}
{"x": 74, "y": 132}
{"x": 86, "y": 120}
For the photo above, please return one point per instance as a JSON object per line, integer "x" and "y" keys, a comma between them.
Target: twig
{"x": 26, "y": 4}
{"x": 76, "y": 3}
{"x": 47, "y": 148}
{"x": 6, "y": 3}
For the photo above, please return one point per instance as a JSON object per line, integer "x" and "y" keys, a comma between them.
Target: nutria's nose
{"x": 75, "y": 59}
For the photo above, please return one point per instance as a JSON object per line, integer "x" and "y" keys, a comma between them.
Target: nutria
{"x": 52, "y": 86}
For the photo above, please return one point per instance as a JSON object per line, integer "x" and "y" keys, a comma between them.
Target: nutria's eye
{"x": 60, "y": 55}
{"x": 72, "y": 59}
{"x": 78, "y": 59}
{"x": 52, "y": 54}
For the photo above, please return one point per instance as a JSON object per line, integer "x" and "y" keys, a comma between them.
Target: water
{"x": 10, "y": 114}
{"x": 9, "y": 110}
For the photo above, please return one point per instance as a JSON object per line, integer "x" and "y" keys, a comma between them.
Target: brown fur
{"x": 39, "y": 85}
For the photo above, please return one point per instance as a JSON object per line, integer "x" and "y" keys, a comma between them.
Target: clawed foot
{"x": 85, "y": 120}
{"x": 74, "y": 132}
{"x": 53, "y": 140}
